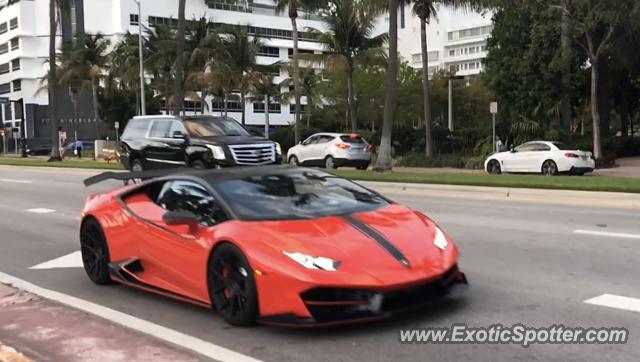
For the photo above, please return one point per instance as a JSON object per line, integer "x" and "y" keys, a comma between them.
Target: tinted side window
{"x": 311, "y": 140}
{"x": 527, "y": 147}
{"x": 160, "y": 129}
{"x": 325, "y": 139}
{"x": 189, "y": 196}
{"x": 136, "y": 128}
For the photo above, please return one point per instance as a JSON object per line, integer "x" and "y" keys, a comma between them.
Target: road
{"x": 525, "y": 262}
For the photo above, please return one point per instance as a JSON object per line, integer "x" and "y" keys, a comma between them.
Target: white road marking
{"x": 604, "y": 233}
{"x": 616, "y": 301}
{"x": 41, "y": 210}
{"x": 15, "y": 181}
{"x": 73, "y": 260}
{"x": 171, "y": 336}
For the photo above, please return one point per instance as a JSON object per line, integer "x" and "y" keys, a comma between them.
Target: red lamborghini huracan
{"x": 278, "y": 245}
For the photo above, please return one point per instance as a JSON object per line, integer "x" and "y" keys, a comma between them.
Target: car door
{"x": 174, "y": 257}
{"x": 305, "y": 154}
{"x": 320, "y": 149}
{"x": 163, "y": 149}
{"x": 532, "y": 161}
{"x": 516, "y": 161}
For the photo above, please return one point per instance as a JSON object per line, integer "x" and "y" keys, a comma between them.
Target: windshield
{"x": 291, "y": 196}
{"x": 214, "y": 127}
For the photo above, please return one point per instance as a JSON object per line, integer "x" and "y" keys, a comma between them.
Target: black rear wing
{"x": 128, "y": 176}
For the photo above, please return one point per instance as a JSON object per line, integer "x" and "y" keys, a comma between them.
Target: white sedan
{"x": 547, "y": 158}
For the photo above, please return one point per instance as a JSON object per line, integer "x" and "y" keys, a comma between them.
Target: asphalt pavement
{"x": 529, "y": 263}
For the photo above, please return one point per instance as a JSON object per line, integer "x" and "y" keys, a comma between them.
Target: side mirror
{"x": 181, "y": 217}
{"x": 178, "y": 135}
{"x": 513, "y": 150}
{"x": 299, "y": 142}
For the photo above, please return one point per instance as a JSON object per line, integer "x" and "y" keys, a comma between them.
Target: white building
{"x": 24, "y": 31}
{"x": 456, "y": 39}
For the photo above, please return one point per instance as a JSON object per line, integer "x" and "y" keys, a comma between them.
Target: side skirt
{"x": 123, "y": 272}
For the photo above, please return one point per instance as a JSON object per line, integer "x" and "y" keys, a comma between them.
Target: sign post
{"x": 493, "y": 108}
{"x": 116, "y": 125}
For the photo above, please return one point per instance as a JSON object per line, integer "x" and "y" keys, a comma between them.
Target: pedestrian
{"x": 78, "y": 148}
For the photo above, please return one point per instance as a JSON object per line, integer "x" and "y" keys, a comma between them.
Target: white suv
{"x": 332, "y": 150}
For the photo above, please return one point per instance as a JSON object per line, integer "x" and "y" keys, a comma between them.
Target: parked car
{"x": 547, "y": 158}
{"x": 151, "y": 142}
{"x": 332, "y": 150}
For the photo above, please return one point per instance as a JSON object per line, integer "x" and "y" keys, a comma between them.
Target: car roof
{"x": 183, "y": 118}
{"x": 332, "y": 134}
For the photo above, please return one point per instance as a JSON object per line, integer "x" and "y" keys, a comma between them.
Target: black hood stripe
{"x": 373, "y": 234}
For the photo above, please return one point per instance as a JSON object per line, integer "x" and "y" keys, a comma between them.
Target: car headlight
{"x": 217, "y": 151}
{"x": 278, "y": 149}
{"x": 439, "y": 240}
{"x": 314, "y": 262}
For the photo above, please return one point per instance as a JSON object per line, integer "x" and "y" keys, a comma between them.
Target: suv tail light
{"x": 344, "y": 146}
{"x": 571, "y": 155}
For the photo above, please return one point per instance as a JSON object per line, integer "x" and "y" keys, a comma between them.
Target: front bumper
{"x": 338, "y": 306}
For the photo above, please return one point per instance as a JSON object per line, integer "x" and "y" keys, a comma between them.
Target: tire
{"x": 329, "y": 163}
{"x": 232, "y": 286}
{"x": 493, "y": 168}
{"x": 549, "y": 168}
{"x": 95, "y": 252}
{"x": 198, "y": 165}
{"x": 293, "y": 161}
{"x": 136, "y": 166}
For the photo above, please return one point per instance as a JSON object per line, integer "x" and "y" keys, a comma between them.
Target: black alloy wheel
{"x": 95, "y": 252}
{"x": 549, "y": 168}
{"x": 232, "y": 286}
{"x": 493, "y": 168}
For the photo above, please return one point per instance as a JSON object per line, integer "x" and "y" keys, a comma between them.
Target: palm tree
{"x": 162, "y": 54}
{"x": 265, "y": 90}
{"x": 309, "y": 81}
{"x": 54, "y": 10}
{"x": 125, "y": 65}
{"x": 292, "y": 7}
{"x": 384, "y": 162}
{"x": 93, "y": 54}
{"x": 240, "y": 55}
{"x": 180, "y": 42}
{"x": 350, "y": 25}
{"x": 203, "y": 44}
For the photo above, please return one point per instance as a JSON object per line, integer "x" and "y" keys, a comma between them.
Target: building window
{"x": 452, "y": 53}
{"x": 4, "y": 47}
{"x": 13, "y": 23}
{"x": 433, "y": 55}
{"x": 134, "y": 19}
{"x": 3, "y": 28}
{"x": 229, "y": 5}
{"x": 300, "y": 51}
{"x": 8, "y": 115}
{"x": 269, "y": 52}
{"x": 231, "y": 106}
{"x": 192, "y": 106}
{"x": 273, "y": 107}
{"x": 15, "y": 43}
{"x": 17, "y": 85}
{"x": 4, "y": 68}
{"x": 5, "y": 88}
{"x": 15, "y": 64}
{"x": 292, "y": 108}
{"x": 416, "y": 58}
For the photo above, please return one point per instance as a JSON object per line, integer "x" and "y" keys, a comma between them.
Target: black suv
{"x": 151, "y": 142}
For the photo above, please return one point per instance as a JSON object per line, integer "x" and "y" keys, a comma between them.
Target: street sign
{"x": 493, "y": 107}
{"x": 4, "y": 100}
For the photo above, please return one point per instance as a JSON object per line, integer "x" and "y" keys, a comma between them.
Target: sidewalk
{"x": 41, "y": 330}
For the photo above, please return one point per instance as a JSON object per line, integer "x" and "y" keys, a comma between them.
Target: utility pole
{"x": 143, "y": 106}
{"x": 493, "y": 108}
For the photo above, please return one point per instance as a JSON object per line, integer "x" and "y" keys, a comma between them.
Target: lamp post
{"x": 143, "y": 106}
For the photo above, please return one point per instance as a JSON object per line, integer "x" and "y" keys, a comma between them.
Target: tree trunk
{"x": 167, "y": 107}
{"x": 566, "y": 43}
{"x": 242, "y": 100}
{"x": 296, "y": 71}
{"x": 384, "y": 162}
{"x": 51, "y": 86}
{"x": 624, "y": 107}
{"x": 138, "y": 109}
{"x": 179, "y": 92}
{"x": 595, "y": 112}
{"x": 351, "y": 99}
{"x": 96, "y": 113}
{"x": 603, "y": 97}
{"x": 203, "y": 99}
{"x": 266, "y": 116}
{"x": 425, "y": 89}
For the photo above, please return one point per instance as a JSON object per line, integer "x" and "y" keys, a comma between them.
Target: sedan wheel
{"x": 493, "y": 167}
{"x": 293, "y": 161}
{"x": 549, "y": 168}
{"x": 329, "y": 163}
{"x": 232, "y": 286}
{"x": 136, "y": 166}
{"x": 95, "y": 253}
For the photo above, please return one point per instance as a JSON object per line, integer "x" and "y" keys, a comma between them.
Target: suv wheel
{"x": 293, "y": 161}
{"x": 198, "y": 165}
{"x": 329, "y": 163}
